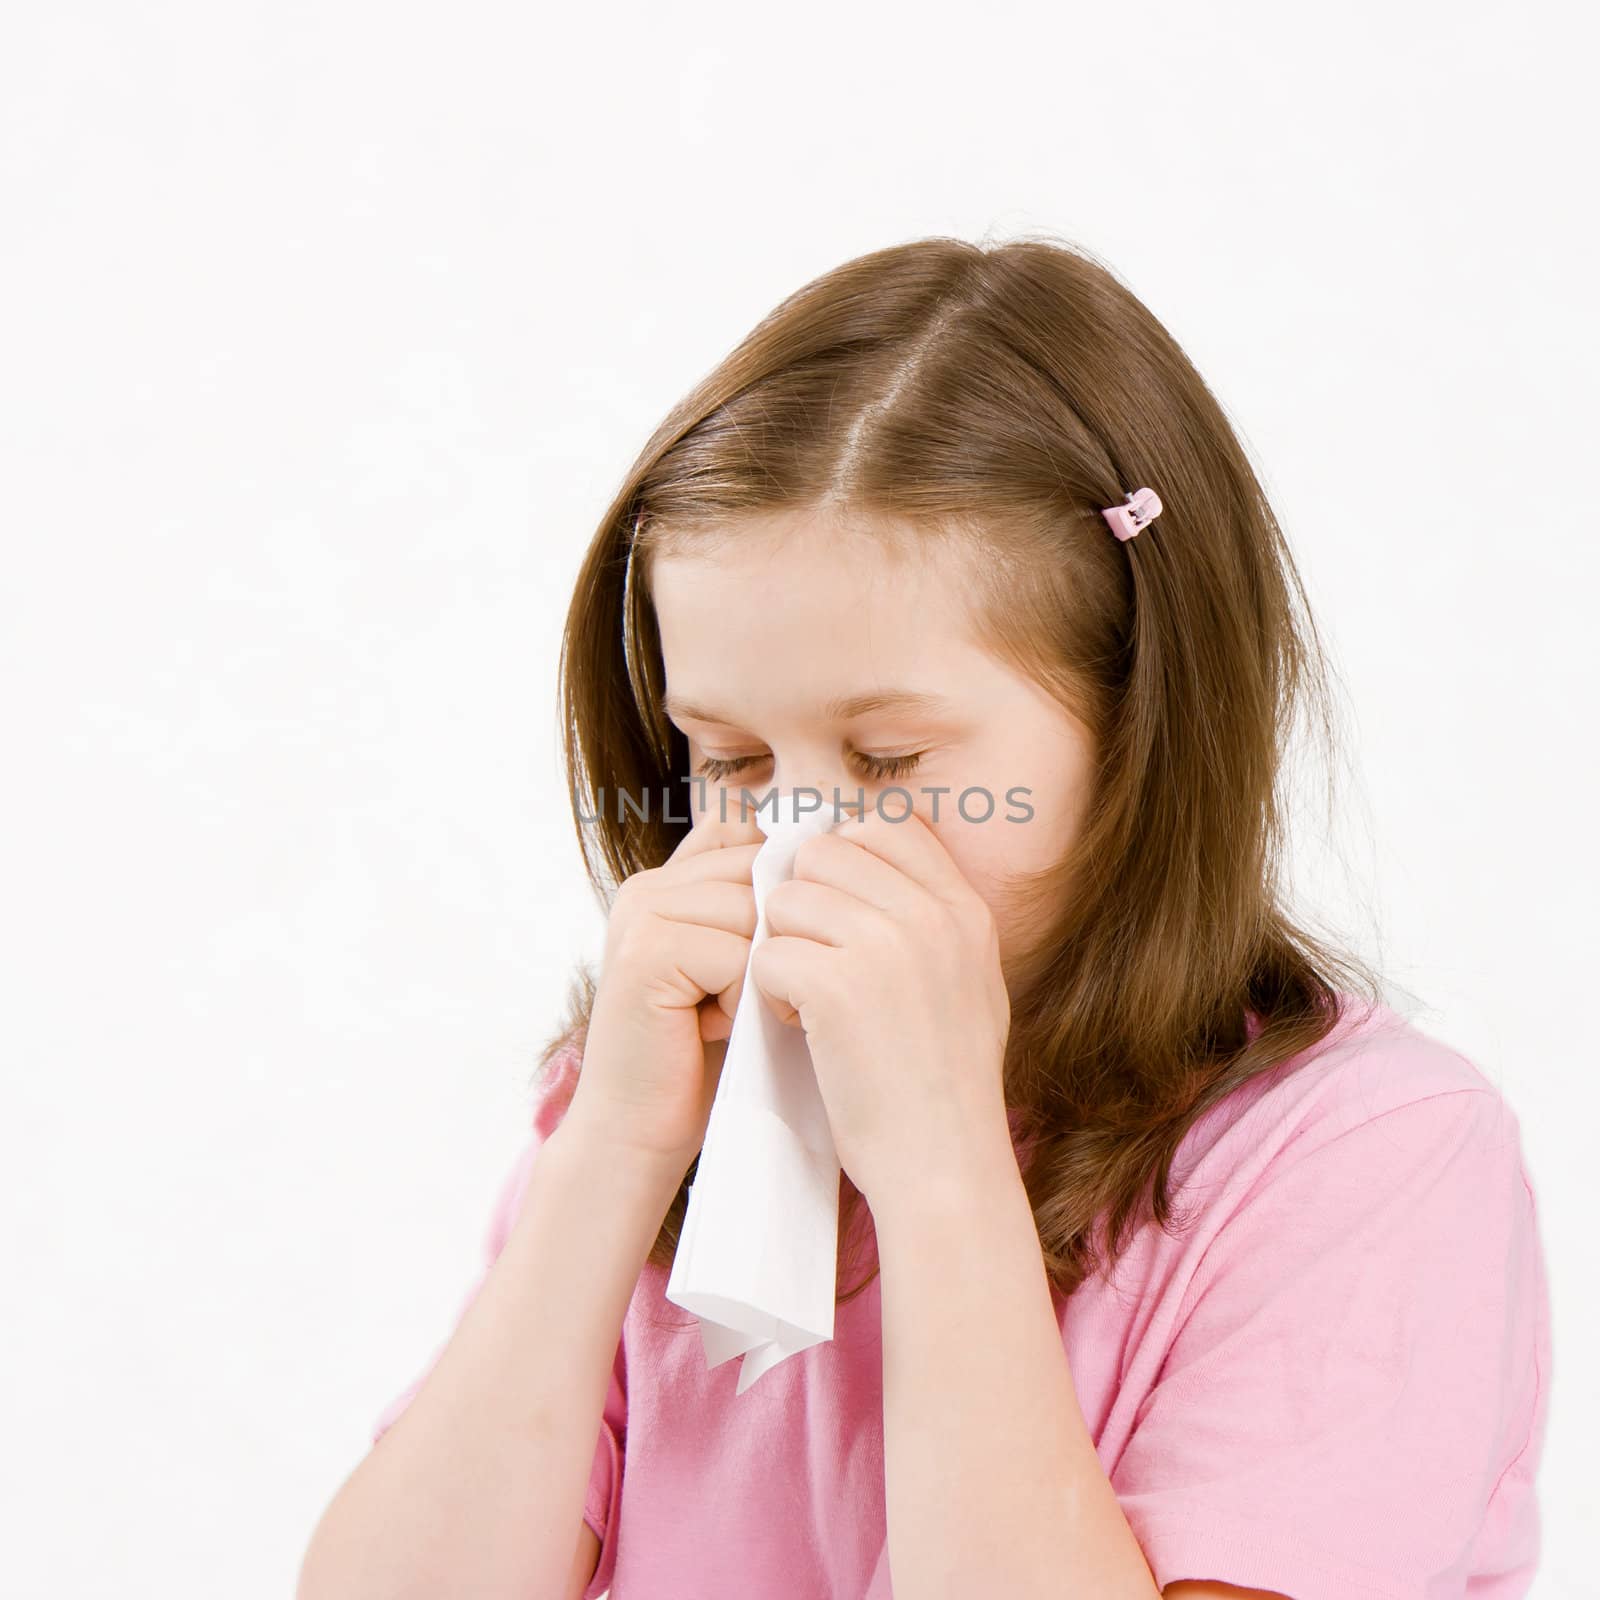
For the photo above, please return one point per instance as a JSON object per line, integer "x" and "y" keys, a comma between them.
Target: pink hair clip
{"x": 1143, "y": 506}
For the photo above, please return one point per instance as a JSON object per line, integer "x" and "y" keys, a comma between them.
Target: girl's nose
{"x": 840, "y": 787}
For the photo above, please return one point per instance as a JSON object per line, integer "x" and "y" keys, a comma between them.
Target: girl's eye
{"x": 887, "y": 767}
{"x": 879, "y": 768}
{"x": 715, "y": 767}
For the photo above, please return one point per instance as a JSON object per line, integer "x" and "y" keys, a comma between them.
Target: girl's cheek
{"x": 968, "y": 855}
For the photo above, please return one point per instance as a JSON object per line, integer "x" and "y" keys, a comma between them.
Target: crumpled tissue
{"x": 757, "y": 1257}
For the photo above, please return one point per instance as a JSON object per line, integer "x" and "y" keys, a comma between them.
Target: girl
{"x": 1183, "y": 1265}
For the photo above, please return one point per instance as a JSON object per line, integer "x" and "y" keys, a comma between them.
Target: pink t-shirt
{"x": 1333, "y": 1384}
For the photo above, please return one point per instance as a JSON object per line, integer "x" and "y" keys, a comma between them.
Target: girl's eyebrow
{"x": 842, "y": 709}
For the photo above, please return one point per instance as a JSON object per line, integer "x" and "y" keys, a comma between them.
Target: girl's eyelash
{"x": 878, "y": 767}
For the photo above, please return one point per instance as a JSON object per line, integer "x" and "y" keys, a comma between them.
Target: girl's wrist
{"x": 594, "y": 1147}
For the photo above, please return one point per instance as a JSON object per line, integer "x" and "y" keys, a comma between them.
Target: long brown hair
{"x": 997, "y": 396}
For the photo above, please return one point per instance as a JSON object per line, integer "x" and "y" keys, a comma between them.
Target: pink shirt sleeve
{"x": 605, "y": 1475}
{"x": 1353, "y": 1403}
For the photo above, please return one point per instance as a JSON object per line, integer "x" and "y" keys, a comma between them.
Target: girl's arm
{"x": 992, "y": 1481}
{"x": 478, "y": 1488}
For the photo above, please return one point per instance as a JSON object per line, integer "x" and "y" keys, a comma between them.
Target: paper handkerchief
{"x": 757, "y": 1258}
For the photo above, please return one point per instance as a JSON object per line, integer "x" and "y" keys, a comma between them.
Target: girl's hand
{"x": 677, "y": 945}
{"x": 890, "y": 960}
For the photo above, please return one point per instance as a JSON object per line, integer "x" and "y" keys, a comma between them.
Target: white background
{"x": 328, "y": 333}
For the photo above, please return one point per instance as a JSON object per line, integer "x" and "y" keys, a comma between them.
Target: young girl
{"x": 1183, "y": 1265}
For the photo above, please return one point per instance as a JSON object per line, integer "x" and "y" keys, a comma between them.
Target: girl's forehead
{"x": 795, "y": 568}
{"x": 793, "y": 612}
{"x": 855, "y": 628}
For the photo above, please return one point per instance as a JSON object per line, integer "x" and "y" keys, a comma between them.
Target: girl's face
{"x": 790, "y": 655}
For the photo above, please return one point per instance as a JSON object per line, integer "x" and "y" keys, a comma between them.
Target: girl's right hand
{"x": 677, "y": 945}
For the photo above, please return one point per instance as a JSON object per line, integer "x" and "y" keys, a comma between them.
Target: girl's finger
{"x": 714, "y": 832}
{"x": 909, "y": 845}
{"x": 707, "y": 903}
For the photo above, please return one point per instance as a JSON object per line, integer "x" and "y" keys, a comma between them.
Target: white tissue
{"x": 757, "y": 1258}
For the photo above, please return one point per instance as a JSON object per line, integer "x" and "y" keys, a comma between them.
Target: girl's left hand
{"x": 890, "y": 960}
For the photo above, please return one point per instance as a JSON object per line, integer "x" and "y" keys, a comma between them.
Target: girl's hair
{"x": 995, "y": 398}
